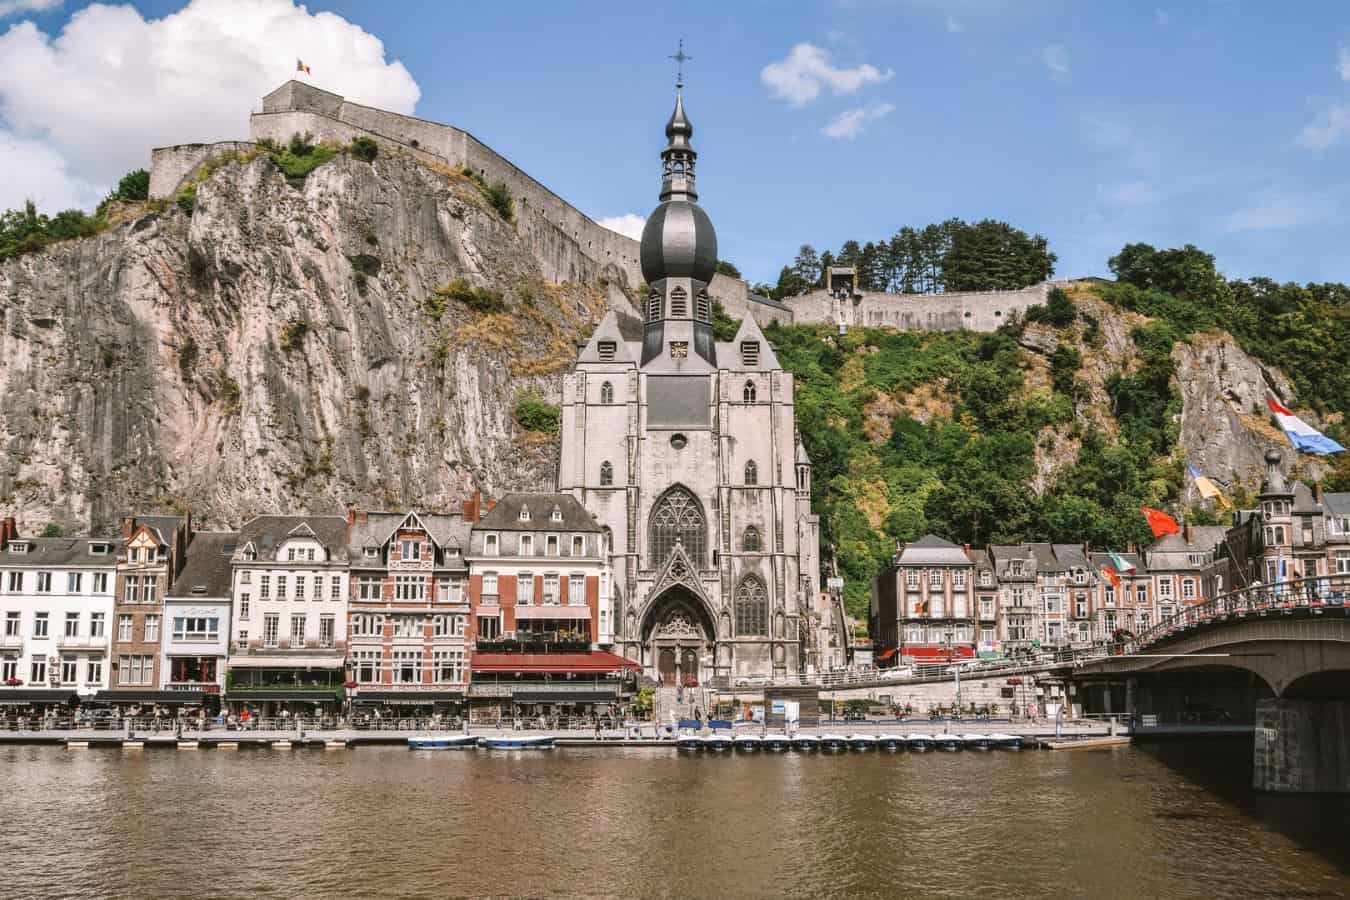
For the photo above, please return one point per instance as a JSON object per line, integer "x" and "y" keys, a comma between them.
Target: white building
{"x": 196, "y": 639}
{"x": 56, "y": 602}
{"x": 289, "y": 612}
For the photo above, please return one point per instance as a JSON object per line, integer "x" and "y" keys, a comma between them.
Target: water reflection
{"x": 649, "y": 823}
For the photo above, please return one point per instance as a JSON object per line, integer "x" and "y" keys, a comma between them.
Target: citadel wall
{"x": 170, "y": 166}
{"x": 978, "y": 311}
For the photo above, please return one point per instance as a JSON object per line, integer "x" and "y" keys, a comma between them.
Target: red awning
{"x": 932, "y": 654}
{"x": 578, "y": 663}
{"x": 889, "y": 653}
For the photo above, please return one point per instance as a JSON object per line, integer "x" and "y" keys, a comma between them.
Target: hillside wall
{"x": 170, "y": 166}
{"x": 983, "y": 311}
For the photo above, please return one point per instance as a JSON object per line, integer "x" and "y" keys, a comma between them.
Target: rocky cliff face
{"x": 279, "y": 348}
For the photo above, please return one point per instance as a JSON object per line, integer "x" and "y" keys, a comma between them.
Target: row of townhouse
{"x": 938, "y": 600}
{"x": 497, "y": 607}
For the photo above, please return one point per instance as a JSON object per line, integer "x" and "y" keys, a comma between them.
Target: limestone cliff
{"x": 282, "y": 347}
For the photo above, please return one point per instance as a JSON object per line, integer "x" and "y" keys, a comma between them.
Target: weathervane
{"x": 680, "y": 58}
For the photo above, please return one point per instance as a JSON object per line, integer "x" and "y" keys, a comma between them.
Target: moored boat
{"x": 805, "y": 743}
{"x": 747, "y": 743}
{"x": 442, "y": 742}
{"x": 1003, "y": 741}
{"x": 862, "y": 741}
{"x": 833, "y": 742}
{"x": 518, "y": 742}
{"x": 689, "y": 742}
{"x": 976, "y": 741}
{"x": 891, "y": 742}
{"x": 947, "y": 741}
{"x": 777, "y": 742}
{"x": 716, "y": 742}
{"x": 919, "y": 743}
{"x": 1029, "y": 742}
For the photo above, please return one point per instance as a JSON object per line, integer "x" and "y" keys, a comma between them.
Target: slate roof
{"x": 931, "y": 550}
{"x": 1304, "y": 502}
{"x": 162, "y": 526}
{"x": 1045, "y": 557}
{"x": 445, "y": 530}
{"x": 505, "y": 516}
{"x": 266, "y": 533}
{"x": 1071, "y": 556}
{"x": 1005, "y": 553}
{"x": 1171, "y": 551}
{"x": 61, "y": 551}
{"x": 1338, "y": 504}
{"x": 209, "y": 566}
{"x": 767, "y": 301}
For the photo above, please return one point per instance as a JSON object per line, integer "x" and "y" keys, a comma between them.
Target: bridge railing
{"x": 1319, "y": 593}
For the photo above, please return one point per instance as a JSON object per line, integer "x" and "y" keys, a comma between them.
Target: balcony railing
{"x": 11, "y": 642}
{"x": 81, "y": 642}
{"x": 209, "y": 687}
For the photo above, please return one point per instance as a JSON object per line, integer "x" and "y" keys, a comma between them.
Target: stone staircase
{"x": 666, "y": 702}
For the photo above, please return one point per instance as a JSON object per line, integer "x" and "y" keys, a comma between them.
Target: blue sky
{"x": 1223, "y": 124}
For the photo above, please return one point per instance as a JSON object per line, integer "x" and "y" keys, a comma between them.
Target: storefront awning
{"x": 406, "y": 698}
{"x": 331, "y": 660}
{"x": 593, "y": 663}
{"x": 261, "y": 694}
{"x": 580, "y": 695}
{"x": 166, "y": 698}
{"x": 25, "y": 696}
{"x": 571, "y": 613}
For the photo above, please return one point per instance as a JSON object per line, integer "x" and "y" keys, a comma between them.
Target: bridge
{"x": 1277, "y": 654}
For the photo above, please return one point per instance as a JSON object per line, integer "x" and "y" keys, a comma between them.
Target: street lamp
{"x": 956, "y": 670}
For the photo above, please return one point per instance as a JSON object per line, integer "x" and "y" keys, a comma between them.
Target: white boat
{"x": 689, "y": 742}
{"x": 442, "y": 742}
{"x": 777, "y": 742}
{"x": 1003, "y": 741}
{"x": 919, "y": 743}
{"x": 716, "y": 742}
{"x": 891, "y": 742}
{"x": 833, "y": 742}
{"x": 747, "y": 742}
{"x": 976, "y": 741}
{"x": 806, "y": 743}
{"x": 518, "y": 742}
{"x": 862, "y": 741}
{"x": 947, "y": 741}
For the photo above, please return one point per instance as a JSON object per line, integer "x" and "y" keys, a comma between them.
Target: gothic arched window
{"x": 606, "y": 473}
{"x": 606, "y": 393}
{"x": 751, "y": 473}
{"x": 750, "y": 541}
{"x": 752, "y": 607}
{"x": 749, "y": 392}
{"x": 677, "y": 516}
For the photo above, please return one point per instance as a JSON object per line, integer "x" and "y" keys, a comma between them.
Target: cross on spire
{"x": 680, "y": 58}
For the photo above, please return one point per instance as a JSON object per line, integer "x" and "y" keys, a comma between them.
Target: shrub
{"x": 187, "y": 355}
{"x": 229, "y": 393}
{"x": 533, "y": 414}
{"x": 293, "y": 334}
{"x": 364, "y": 148}
{"x": 1059, "y": 311}
{"x": 187, "y": 199}
{"x": 499, "y": 198}
{"x": 301, "y": 144}
{"x": 481, "y": 300}
{"x": 53, "y": 530}
{"x": 135, "y": 185}
{"x": 25, "y": 230}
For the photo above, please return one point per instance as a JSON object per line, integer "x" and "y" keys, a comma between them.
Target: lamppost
{"x": 955, "y": 669}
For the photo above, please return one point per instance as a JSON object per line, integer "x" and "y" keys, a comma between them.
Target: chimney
{"x": 128, "y": 523}
{"x": 471, "y": 508}
{"x": 355, "y": 515}
{"x": 8, "y": 531}
{"x": 1317, "y": 492}
{"x": 1186, "y": 532}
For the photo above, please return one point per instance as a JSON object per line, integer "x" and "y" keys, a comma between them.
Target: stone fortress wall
{"x": 569, "y": 244}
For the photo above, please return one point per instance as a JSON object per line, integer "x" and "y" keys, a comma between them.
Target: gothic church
{"x": 685, "y": 450}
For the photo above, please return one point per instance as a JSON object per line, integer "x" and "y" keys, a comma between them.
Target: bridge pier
{"x": 1302, "y": 746}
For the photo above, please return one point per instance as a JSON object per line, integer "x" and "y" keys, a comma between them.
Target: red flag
{"x": 1278, "y": 408}
{"x": 1111, "y": 574}
{"x": 1160, "y": 523}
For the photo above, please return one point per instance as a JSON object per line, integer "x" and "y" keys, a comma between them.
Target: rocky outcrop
{"x": 282, "y": 347}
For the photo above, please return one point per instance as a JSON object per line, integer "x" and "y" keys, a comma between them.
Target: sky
{"x": 1221, "y": 124}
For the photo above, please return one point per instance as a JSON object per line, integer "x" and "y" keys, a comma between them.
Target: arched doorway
{"x": 665, "y": 666}
{"x": 679, "y": 637}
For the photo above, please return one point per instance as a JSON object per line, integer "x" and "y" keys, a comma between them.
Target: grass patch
{"x": 533, "y": 414}
{"x": 293, "y": 334}
{"x": 481, "y": 300}
{"x": 496, "y": 193}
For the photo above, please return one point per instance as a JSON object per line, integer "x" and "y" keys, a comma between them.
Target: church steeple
{"x": 679, "y": 257}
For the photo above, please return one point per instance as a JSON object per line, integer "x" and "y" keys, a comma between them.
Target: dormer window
{"x": 1015, "y": 567}
{"x": 607, "y": 350}
{"x": 527, "y": 545}
{"x": 749, "y": 353}
{"x": 199, "y": 589}
{"x": 524, "y": 514}
{"x": 490, "y": 545}
{"x": 370, "y": 552}
{"x": 556, "y": 516}
{"x": 99, "y": 548}
{"x": 19, "y": 546}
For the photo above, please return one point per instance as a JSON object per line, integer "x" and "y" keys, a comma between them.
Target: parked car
{"x": 752, "y": 681}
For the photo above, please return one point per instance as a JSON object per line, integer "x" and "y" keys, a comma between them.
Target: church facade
{"x": 685, "y": 450}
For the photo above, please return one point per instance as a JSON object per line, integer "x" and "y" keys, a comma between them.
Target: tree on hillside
{"x": 727, "y": 268}
{"x": 807, "y": 265}
{"x": 790, "y": 284}
{"x": 1186, "y": 272}
{"x": 994, "y": 256}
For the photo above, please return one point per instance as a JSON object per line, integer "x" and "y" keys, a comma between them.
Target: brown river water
{"x": 1171, "y": 820}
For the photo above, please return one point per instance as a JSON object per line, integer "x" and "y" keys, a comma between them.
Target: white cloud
{"x": 1343, "y": 63}
{"x": 1162, "y": 17}
{"x": 1278, "y": 209}
{"x": 112, "y": 85}
{"x": 1056, "y": 60}
{"x": 34, "y": 170}
{"x": 15, "y": 7}
{"x": 1327, "y": 128}
{"x": 1129, "y": 193}
{"x": 851, "y": 122}
{"x": 629, "y": 224}
{"x": 954, "y": 26}
{"x": 800, "y": 76}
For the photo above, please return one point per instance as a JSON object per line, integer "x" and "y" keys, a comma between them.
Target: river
{"x": 1172, "y": 820}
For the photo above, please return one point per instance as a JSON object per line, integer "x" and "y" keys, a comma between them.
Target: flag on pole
{"x": 1302, "y": 435}
{"x": 1160, "y": 523}
{"x": 1207, "y": 488}
{"x": 1111, "y": 574}
{"x": 1122, "y": 564}
{"x": 301, "y": 67}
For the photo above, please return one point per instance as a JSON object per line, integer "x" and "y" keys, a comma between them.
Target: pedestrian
{"x": 1059, "y": 720}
